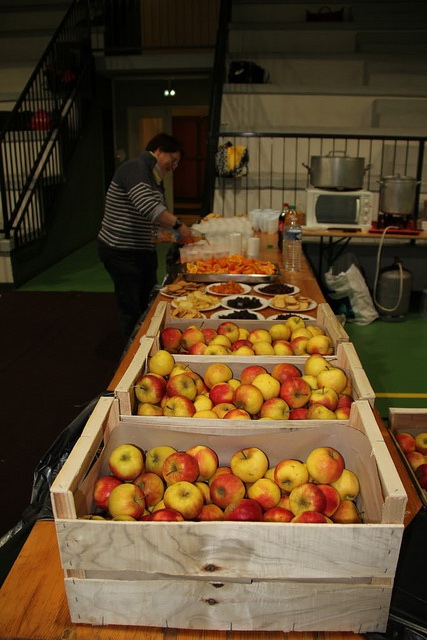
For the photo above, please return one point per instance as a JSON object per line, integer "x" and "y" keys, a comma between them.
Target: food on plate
{"x": 182, "y": 288}
{"x": 232, "y": 264}
{"x": 227, "y": 288}
{"x": 191, "y": 305}
{"x": 245, "y": 302}
{"x": 243, "y": 314}
{"x": 274, "y": 288}
{"x": 291, "y": 303}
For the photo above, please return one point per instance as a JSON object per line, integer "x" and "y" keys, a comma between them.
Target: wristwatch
{"x": 178, "y": 224}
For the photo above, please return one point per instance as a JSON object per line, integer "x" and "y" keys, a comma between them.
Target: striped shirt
{"x": 134, "y": 200}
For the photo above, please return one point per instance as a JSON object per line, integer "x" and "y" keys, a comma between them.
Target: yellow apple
{"x": 333, "y": 378}
{"x": 249, "y": 464}
{"x": 185, "y": 497}
{"x": 316, "y": 363}
{"x": 295, "y": 322}
{"x": 162, "y": 362}
{"x": 320, "y": 344}
{"x": 243, "y": 333}
{"x": 249, "y": 398}
{"x": 202, "y": 402}
{"x": 126, "y": 461}
{"x": 205, "y": 413}
{"x": 221, "y": 339}
{"x": 269, "y": 386}
{"x": 258, "y": 335}
{"x": 216, "y": 350}
{"x": 244, "y": 350}
{"x": 207, "y": 459}
{"x": 205, "y": 490}
{"x": 274, "y": 409}
{"x": 302, "y": 331}
{"x": 217, "y": 372}
{"x": 280, "y": 331}
{"x": 234, "y": 383}
{"x": 312, "y": 380}
{"x": 265, "y": 491}
{"x": 262, "y": 348}
{"x": 179, "y": 367}
{"x": 320, "y": 412}
{"x": 126, "y": 499}
{"x": 347, "y": 485}
{"x": 315, "y": 330}
{"x": 147, "y": 409}
{"x": 346, "y": 513}
{"x": 290, "y": 473}
{"x": 282, "y": 348}
{"x": 155, "y": 458}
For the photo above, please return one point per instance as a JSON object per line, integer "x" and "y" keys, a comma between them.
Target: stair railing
{"x": 43, "y": 128}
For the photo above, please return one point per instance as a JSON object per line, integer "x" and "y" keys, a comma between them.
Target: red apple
{"x": 179, "y": 406}
{"x": 245, "y": 509}
{"x": 209, "y": 333}
{"x": 307, "y": 497}
{"x": 324, "y": 395}
{"x": 103, "y": 487}
{"x": 344, "y": 400}
{"x": 311, "y": 517}
{"x": 275, "y": 409}
{"x": 299, "y": 345}
{"x": 282, "y": 348}
{"x": 298, "y": 414}
{"x": 152, "y": 487}
{"x": 325, "y": 464}
{"x": 237, "y": 414}
{"x": 126, "y": 499}
{"x": 210, "y": 512}
{"x": 278, "y": 514}
{"x": 166, "y": 515}
{"x": 190, "y": 336}
{"x": 241, "y": 343}
{"x": 332, "y": 498}
{"x": 265, "y": 492}
{"x": 406, "y": 441}
{"x": 342, "y": 413}
{"x": 150, "y": 388}
{"x": 250, "y": 372}
{"x": 221, "y": 392}
{"x": 415, "y": 459}
{"x": 229, "y": 329}
{"x": 180, "y": 466}
{"x": 346, "y": 513}
{"x": 170, "y": 339}
{"x": 220, "y": 471}
{"x": 421, "y": 474}
{"x": 226, "y": 488}
{"x": 285, "y": 370}
{"x": 207, "y": 460}
{"x": 295, "y": 392}
{"x": 182, "y": 385}
{"x": 249, "y": 398}
{"x": 197, "y": 349}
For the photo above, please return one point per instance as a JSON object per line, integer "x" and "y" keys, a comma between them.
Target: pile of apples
{"x": 321, "y": 391}
{"x": 171, "y": 485}
{"x": 290, "y": 338}
{"x": 415, "y": 451}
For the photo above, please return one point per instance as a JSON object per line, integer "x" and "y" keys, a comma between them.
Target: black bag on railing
{"x": 245, "y": 71}
{"x": 231, "y": 161}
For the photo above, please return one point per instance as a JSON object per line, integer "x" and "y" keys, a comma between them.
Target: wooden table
{"x": 33, "y": 604}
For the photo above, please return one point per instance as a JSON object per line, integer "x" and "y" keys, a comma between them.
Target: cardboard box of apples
{"x": 247, "y": 575}
{"x": 175, "y": 387}
{"x": 409, "y": 430}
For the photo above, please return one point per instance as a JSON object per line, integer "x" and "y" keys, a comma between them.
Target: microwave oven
{"x": 326, "y": 208}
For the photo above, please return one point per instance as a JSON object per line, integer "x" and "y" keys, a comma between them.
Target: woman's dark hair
{"x": 165, "y": 142}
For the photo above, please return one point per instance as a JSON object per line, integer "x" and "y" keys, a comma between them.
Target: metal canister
{"x": 393, "y": 292}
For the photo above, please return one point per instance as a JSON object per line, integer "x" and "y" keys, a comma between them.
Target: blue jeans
{"x": 134, "y": 275}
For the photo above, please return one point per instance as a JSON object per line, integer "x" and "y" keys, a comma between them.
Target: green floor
{"x": 393, "y": 354}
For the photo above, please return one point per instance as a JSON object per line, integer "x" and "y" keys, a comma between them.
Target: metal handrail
{"x": 40, "y": 134}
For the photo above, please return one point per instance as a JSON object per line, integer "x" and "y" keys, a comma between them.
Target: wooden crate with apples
{"x": 412, "y": 422}
{"x": 324, "y": 317}
{"x": 229, "y": 575}
{"x": 346, "y": 358}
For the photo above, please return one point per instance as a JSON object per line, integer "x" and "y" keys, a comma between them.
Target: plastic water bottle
{"x": 281, "y": 225}
{"x": 292, "y": 241}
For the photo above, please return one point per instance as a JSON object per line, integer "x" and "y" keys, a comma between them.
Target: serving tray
{"x": 248, "y": 278}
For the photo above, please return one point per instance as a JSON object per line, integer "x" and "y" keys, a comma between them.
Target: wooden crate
{"x": 346, "y": 358}
{"x": 411, "y": 421}
{"x": 231, "y": 575}
{"x": 325, "y": 318}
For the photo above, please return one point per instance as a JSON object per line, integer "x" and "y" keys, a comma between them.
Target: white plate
{"x": 165, "y": 293}
{"x": 290, "y": 313}
{"x": 181, "y": 298}
{"x": 222, "y": 315}
{"x": 258, "y": 288}
{"x": 263, "y": 303}
{"x": 312, "y": 305}
{"x": 245, "y": 288}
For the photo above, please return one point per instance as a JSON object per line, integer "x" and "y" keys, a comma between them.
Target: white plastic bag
{"x": 350, "y": 284}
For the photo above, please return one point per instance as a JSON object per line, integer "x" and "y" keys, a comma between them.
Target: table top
{"x": 377, "y": 235}
{"x": 33, "y": 603}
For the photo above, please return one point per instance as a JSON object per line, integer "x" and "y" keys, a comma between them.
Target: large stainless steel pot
{"x": 397, "y": 194}
{"x": 336, "y": 171}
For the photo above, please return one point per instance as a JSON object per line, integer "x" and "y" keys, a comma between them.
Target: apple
{"x": 179, "y": 406}
{"x": 279, "y": 331}
{"x": 406, "y": 441}
{"x": 126, "y": 499}
{"x": 150, "y": 388}
{"x": 234, "y": 383}
{"x": 346, "y": 513}
{"x": 315, "y": 330}
{"x": 284, "y": 501}
{"x": 157, "y": 507}
{"x": 229, "y": 329}
{"x": 421, "y": 475}
{"x": 197, "y": 349}
{"x": 206, "y": 413}
{"x": 166, "y": 515}
{"x": 320, "y": 412}
{"x": 275, "y": 409}
{"x": 301, "y": 331}
{"x": 306, "y": 497}
{"x": 170, "y": 339}
{"x": 282, "y": 348}
{"x": 155, "y": 457}
{"x": 220, "y": 471}
{"x": 162, "y": 362}
{"x": 269, "y": 473}
{"x": 237, "y": 414}
{"x": 207, "y": 460}
{"x": 342, "y": 413}
{"x": 222, "y": 340}
{"x": 185, "y": 497}
{"x": 320, "y": 344}
{"x": 249, "y": 398}
{"x": 289, "y": 473}
{"x": 268, "y": 385}
{"x": 263, "y": 348}
{"x": 298, "y": 414}
{"x": 312, "y": 381}
{"x": 295, "y": 392}
{"x": 179, "y": 367}
{"x": 265, "y": 492}
{"x": 333, "y": 378}
{"x": 325, "y": 464}
{"x": 258, "y": 335}
{"x": 311, "y": 517}
{"x": 180, "y": 466}
{"x": 126, "y": 461}
{"x": 244, "y": 350}
{"x": 147, "y": 409}
{"x": 249, "y": 464}
{"x": 226, "y": 488}
{"x": 347, "y": 485}
{"x": 344, "y": 400}
{"x": 198, "y": 381}
{"x": 294, "y": 322}
{"x": 217, "y": 350}
{"x": 91, "y": 516}
{"x": 190, "y": 336}
{"x": 332, "y": 498}
{"x": 324, "y": 395}
{"x": 277, "y": 514}
{"x": 182, "y": 385}
{"x": 202, "y": 402}
{"x": 316, "y": 363}
{"x": 222, "y": 408}
{"x": 152, "y": 487}
{"x": 221, "y": 392}
{"x": 299, "y": 345}
{"x": 217, "y": 372}
{"x": 250, "y": 372}
{"x": 205, "y": 490}
{"x": 240, "y": 343}
{"x": 421, "y": 442}
{"x": 209, "y": 333}
{"x": 415, "y": 459}
{"x": 102, "y": 489}
{"x": 123, "y": 516}
{"x": 245, "y": 510}
{"x": 210, "y": 512}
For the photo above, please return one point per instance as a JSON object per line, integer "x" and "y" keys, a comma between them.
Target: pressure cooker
{"x": 397, "y": 194}
{"x": 336, "y": 171}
